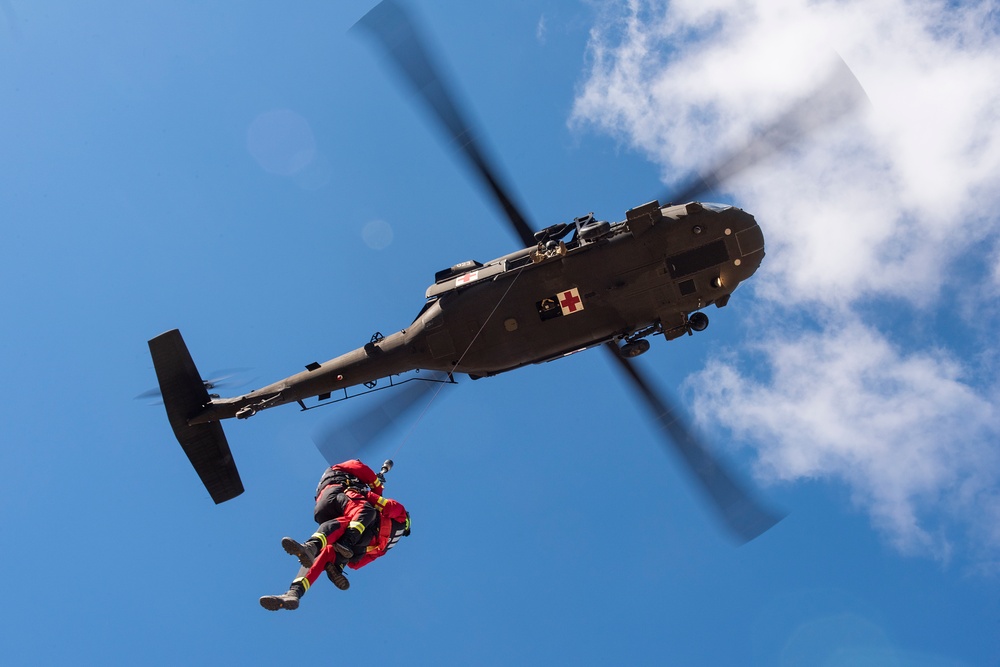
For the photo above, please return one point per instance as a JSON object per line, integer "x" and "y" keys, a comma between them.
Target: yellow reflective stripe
{"x": 302, "y": 581}
{"x": 358, "y": 526}
{"x": 370, "y": 549}
{"x": 407, "y": 522}
{"x": 322, "y": 539}
{"x": 381, "y": 502}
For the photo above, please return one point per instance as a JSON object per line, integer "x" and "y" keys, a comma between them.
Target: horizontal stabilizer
{"x": 184, "y": 396}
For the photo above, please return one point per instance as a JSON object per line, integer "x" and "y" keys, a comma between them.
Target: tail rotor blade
{"x": 149, "y": 393}
{"x": 229, "y": 377}
{"x": 745, "y": 518}
{"x": 233, "y": 378}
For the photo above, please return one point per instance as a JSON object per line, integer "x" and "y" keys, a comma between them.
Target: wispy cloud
{"x": 893, "y": 212}
{"x": 904, "y": 428}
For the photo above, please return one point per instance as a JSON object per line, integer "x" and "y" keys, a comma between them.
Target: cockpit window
{"x": 718, "y": 208}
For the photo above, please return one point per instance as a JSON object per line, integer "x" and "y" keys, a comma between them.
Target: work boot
{"x": 289, "y": 600}
{"x": 343, "y": 550}
{"x": 336, "y": 574}
{"x": 306, "y": 553}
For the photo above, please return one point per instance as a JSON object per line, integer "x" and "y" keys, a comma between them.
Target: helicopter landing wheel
{"x": 630, "y": 350}
{"x": 698, "y": 321}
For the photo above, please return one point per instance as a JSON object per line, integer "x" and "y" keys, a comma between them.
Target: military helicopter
{"x": 572, "y": 286}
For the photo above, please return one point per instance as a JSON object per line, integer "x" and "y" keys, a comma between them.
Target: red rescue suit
{"x": 348, "y": 474}
{"x": 394, "y": 522}
{"x": 342, "y": 501}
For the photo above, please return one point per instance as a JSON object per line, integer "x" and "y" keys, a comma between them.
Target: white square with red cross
{"x": 570, "y": 301}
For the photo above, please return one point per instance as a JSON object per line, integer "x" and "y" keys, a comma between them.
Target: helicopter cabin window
{"x": 692, "y": 261}
{"x": 686, "y": 287}
{"x": 717, "y": 208}
{"x": 518, "y": 262}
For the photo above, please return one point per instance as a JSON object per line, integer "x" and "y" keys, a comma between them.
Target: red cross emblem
{"x": 570, "y": 301}
{"x": 467, "y": 278}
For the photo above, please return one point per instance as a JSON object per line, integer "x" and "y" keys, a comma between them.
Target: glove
{"x": 381, "y": 479}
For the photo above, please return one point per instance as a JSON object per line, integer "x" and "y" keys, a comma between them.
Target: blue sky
{"x": 255, "y": 177}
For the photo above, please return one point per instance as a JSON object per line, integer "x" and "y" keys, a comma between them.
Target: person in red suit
{"x": 356, "y": 526}
{"x": 342, "y": 510}
{"x": 393, "y": 523}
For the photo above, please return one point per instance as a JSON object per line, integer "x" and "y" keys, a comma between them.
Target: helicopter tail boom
{"x": 184, "y": 396}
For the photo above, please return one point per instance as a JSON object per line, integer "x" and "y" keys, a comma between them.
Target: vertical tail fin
{"x": 184, "y": 396}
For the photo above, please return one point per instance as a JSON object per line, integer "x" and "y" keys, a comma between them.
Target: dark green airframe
{"x": 608, "y": 283}
{"x": 572, "y": 286}
{"x": 642, "y": 276}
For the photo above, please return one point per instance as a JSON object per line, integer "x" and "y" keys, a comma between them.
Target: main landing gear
{"x": 634, "y": 349}
{"x": 637, "y": 344}
{"x": 698, "y": 321}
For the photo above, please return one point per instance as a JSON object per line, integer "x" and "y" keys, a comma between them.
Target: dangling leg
{"x": 326, "y": 532}
{"x": 329, "y": 514}
{"x": 335, "y": 572}
{"x": 360, "y": 514}
{"x": 307, "y": 551}
{"x": 290, "y": 599}
{"x": 329, "y": 561}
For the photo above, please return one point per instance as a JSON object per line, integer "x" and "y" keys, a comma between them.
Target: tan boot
{"x": 306, "y": 553}
{"x": 289, "y": 600}
{"x": 336, "y": 574}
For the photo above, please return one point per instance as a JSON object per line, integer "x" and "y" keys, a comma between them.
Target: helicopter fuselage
{"x": 611, "y": 282}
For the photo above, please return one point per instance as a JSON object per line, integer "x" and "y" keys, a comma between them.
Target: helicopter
{"x": 572, "y": 286}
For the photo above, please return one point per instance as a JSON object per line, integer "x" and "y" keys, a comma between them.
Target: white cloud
{"x": 886, "y": 208}
{"x": 922, "y": 173}
{"x": 903, "y": 429}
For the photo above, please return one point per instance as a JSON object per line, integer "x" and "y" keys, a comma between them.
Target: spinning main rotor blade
{"x": 835, "y": 97}
{"x": 398, "y": 35}
{"x": 342, "y": 441}
{"x": 743, "y": 515}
